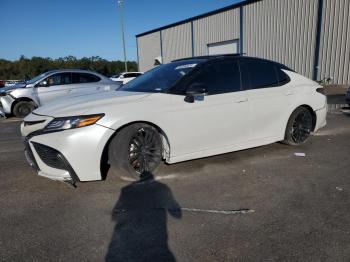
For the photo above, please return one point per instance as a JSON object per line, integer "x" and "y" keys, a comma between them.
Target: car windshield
{"x": 161, "y": 78}
{"x": 37, "y": 78}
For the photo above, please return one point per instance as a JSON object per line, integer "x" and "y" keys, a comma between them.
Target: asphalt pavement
{"x": 261, "y": 204}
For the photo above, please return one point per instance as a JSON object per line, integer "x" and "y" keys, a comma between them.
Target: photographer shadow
{"x": 140, "y": 233}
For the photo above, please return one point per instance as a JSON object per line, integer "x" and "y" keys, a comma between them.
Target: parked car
{"x": 126, "y": 77}
{"x": 2, "y": 83}
{"x": 187, "y": 109}
{"x": 23, "y": 98}
{"x": 347, "y": 96}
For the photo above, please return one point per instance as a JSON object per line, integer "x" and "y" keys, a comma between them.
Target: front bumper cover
{"x": 50, "y": 157}
{"x": 6, "y": 103}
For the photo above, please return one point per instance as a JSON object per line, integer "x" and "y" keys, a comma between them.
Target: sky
{"x": 58, "y": 28}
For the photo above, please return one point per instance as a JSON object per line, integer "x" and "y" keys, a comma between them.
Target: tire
{"x": 135, "y": 152}
{"x": 299, "y": 127}
{"x": 23, "y": 108}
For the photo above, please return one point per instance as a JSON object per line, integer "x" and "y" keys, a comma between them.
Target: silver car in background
{"x": 23, "y": 98}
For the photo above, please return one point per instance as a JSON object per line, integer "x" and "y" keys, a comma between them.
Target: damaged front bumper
{"x": 6, "y": 104}
{"x": 61, "y": 169}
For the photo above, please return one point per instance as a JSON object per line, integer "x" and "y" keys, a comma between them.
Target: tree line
{"x": 27, "y": 68}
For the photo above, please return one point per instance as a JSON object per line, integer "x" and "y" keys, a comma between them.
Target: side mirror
{"x": 43, "y": 83}
{"x": 195, "y": 92}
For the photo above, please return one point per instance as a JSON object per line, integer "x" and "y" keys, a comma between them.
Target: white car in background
{"x": 126, "y": 77}
{"x": 187, "y": 109}
{"x": 22, "y": 98}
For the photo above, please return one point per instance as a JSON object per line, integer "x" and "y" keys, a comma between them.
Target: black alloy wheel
{"x": 135, "y": 150}
{"x": 299, "y": 127}
{"x": 145, "y": 150}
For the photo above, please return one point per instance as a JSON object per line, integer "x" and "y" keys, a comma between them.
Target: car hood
{"x": 12, "y": 87}
{"x": 86, "y": 104}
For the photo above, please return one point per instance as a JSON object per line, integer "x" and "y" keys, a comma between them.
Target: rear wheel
{"x": 135, "y": 151}
{"x": 299, "y": 126}
{"x": 23, "y": 108}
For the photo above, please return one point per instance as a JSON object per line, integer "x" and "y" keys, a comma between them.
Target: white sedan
{"x": 126, "y": 77}
{"x": 187, "y": 109}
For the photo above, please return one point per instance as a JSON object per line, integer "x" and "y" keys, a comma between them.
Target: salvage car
{"x": 187, "y": 109}
{"x": 22, "y": 98}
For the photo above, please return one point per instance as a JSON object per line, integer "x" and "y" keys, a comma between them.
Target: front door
{"x": 216, "y": 121}
{"x": 53, "y": 87}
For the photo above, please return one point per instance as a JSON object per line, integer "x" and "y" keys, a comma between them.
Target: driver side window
{"x": 57, "y": 79}
{"x": 219, "y": 77}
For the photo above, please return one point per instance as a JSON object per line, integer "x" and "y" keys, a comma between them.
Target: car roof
{"x": 75, "y": 70}
{"x": 241, "y": 56}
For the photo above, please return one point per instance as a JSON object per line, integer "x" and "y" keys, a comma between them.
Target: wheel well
{"x": 313, "y": 114}
{"x": 104, "y": 166}
{"x": 20, "y": 100}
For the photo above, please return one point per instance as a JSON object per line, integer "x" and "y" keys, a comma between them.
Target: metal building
{"x": 310, "y": 36}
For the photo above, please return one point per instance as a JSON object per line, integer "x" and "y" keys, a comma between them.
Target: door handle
{"x": 242, "y": 100}
{"x": 69, "y": 90}
{"x": 289, "y": 92}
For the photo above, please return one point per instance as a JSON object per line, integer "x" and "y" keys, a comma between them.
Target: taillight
{"x": 320, "y": 90}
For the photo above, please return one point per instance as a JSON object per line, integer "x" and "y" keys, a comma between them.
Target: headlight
{"x": 64, "y": 123}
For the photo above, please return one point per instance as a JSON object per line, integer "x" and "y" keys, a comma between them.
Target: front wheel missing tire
{"x": 134, "y": 151}
{"x": 299, "y": 127}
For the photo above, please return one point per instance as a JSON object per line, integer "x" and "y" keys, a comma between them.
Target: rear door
{"x": 86, "y": 83}
{"x": 53, "y": 87}
{"x": 269, "y": 91}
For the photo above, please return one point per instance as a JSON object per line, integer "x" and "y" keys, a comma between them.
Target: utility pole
{"x": 120, "y": 5}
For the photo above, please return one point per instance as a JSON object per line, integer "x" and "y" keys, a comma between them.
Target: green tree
{"x": 26, "y": 68}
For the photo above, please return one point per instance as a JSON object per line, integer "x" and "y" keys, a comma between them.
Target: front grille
{"x": 54, "y": 159}
{"x": 50, "y": 156}
{"x": 29, "y": 155}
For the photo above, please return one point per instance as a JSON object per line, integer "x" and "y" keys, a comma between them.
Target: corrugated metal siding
{"x": 177, "y": 42}
{"x": 335, "y": 41}
{"x": 282, "y": 30}
{"x": 148, "y": 49}
{"x": 215, "y": 28}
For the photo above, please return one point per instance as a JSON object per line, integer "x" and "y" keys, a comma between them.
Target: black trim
{"x": 30, "y": 123}
{"x": 137, "y": 51}
{"x": 29, "y": 155}
{"x": 192, "y": 36}
{"x": 61, "y": 163}
{"x": 161, "y": 44}
{"x": 230, "y": 7}
{"x": 241, "y": 34}
{"x": 318, "y": 39}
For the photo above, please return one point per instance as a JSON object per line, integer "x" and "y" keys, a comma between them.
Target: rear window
{"x": 84, "y": 78}
{"x": 132, "y": 75}
{"x": 282, "y": 76}
{"x": 258, "y": 74}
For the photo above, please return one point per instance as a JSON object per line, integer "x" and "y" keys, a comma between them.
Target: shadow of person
{"x": 140, "y": 233}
